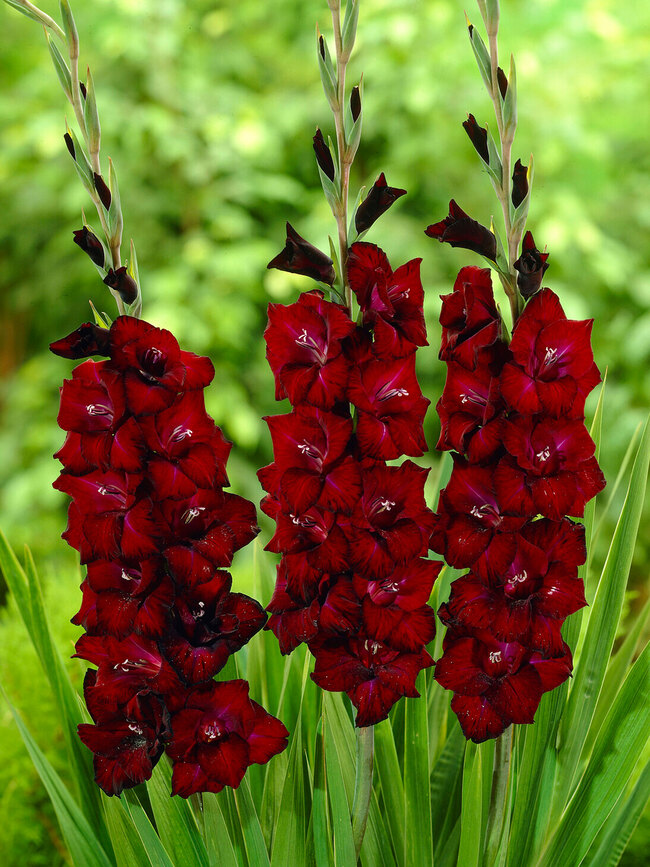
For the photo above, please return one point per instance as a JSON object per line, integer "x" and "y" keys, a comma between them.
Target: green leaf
{"x": 615, "y": 834}
{"x": 150, "y": 839}
{"x": 446, "y": 772}
{"x": 323, "y": 853}
{"x": 253, "y": 838}
{"x": 60, "y": 66}
{"x": 349, "y": 29}
{"x": 616, "y": 752}
{"x": 26, "y": 12}
{"x": 175, "y": 821}
{"x": 510, "y": 103}
{"x": 482, "y": 56}
{"x": 115, "y": 222}
{"x": 327, "y": 71}
{"x": 471, "y": 817}
{"x": 130, "y": 851}
{"x": 390, "y": 779}
{"x": 336, "y": 755}
{"x": 91, "y": 117}
{"x": 85, "y": 848}
{"x": 217, "y": 838}
{"x": 601, "y": 630}
{"x": 69, "y": 27}
{"x": 417, "y": 795}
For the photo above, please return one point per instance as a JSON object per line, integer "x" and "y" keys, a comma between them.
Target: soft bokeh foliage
{"x": 208, "y": 109}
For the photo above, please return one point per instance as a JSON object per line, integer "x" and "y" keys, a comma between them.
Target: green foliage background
{"x": 208, "y": 109}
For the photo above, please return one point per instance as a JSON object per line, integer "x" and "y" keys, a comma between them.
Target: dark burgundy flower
{"x": 469, "y": 515}
{"x": 531, "y": 266}
{"x": 471, "y": 324}
{"x": 292, "y": 622}
{"x": 304, "y": 350}
{"x": 355, "y": 103}
{"x": 122, "y": 282}
{"x": 552, "y": 369}
{"x": 87, "y": 340}
{"x": 102, "y": 190}
{"x": 391, "y": 301}
{"x": 555, "y": 473}
{"x": 217, "y": 732}
{"x": 301, "y": 257}
{"x": 373, "y": 675}
{"x": 496, "y": 683}
{"x": 391, "y": 524}
{"x": 377, "y": 202}
{"x": 478, "y": 137}
{"x": 127, "y": 740}
{"x": 460, "y": 230}
{"x": 391, "y": 408}
{"x": 469, "y": 410}
{"x": 154, "y": 368}
{"x": 323, "y": 155}
{"x": 90, "y": 244}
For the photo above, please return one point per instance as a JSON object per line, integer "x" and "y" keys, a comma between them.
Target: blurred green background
{"x": 208, "y": 109}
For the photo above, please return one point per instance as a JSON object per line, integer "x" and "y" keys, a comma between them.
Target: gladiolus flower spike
{"x": 145, "y": 467}
{"x": 353, "y": 582}
{"x": 524, "y": 463}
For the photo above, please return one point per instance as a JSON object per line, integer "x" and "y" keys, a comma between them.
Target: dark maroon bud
{"x": 90, "y": 244}
{"x": 459, "y": 230}
{"x": 519, "y": 183}
{"x": 355, "y": 103}
{"x": 323, "y": 155}
{"x": 102, "y": 190}
{"x": 478, "y": 137}
{"x": 70, "y": 145}
{"x": 378, "y": 200}
{"x": 88, "y": 339}
{"x": 82, "y": 88}
{"x": 300, "y": 257}
{"x": 502, "y": 82}
{"x": 321, "y": 46}
{"x": 531, "y": 266}
{"x": 123, "y": 283}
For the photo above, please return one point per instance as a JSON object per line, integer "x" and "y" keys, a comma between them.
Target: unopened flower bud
{"x": 321, "y": 46}
{"x": 323, "y": 155}
{"x": 102, "y": 190}
{"x": 355, "y": 103}
{"x": 478, "y": 136}
{"x": 519, "y": 183}
{"x": 378, "y": 200}
{"x": 301, "y": 257}
{"x": 531, "y": 266}
{"x": 70, "y": 145}
{"x": 89, "y": 339}
{"x": 502, "y": 82}
{"x": 460, "y": 230}
{"x": 90, "y": 244}
{"x": 82, "y": 88}
{"x": 123, "y": 283}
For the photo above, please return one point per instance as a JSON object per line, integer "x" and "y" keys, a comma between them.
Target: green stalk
{"x": 499, "y": 797}
{"x": 362, "y": 783}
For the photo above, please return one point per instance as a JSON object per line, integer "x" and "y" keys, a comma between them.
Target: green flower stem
{"x": 504, "y": 192}
{"x": 362, "y": 783}
{"x": 43, "y": 17}
{"x": 345, "y": 160}
{"x": 499, "y": 796}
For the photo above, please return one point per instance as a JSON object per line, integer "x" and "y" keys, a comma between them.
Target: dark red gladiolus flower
{"x": 515, "y": 417}
{"x": 122, "y": 282}
{"x": 144, "y": 465}
{"x": 460, "y": 230}
{"x": 520, "y": 187}
{"x": 305, "y": 352}
{"x": 391, "y": 301}
{"x": 323, "y": 155}
{"x": 471, "y": 324}
{"x": 217, "y": 732}
{"x": 376, "y": 203}
{"x": 301, "y": 257}
{"x": 373, "y": 675}
{"x": 352, "y": 531}
{"x": 552, "y": 369}
{"x": 531, "y": 266}
{"x": 496, "y": 683}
